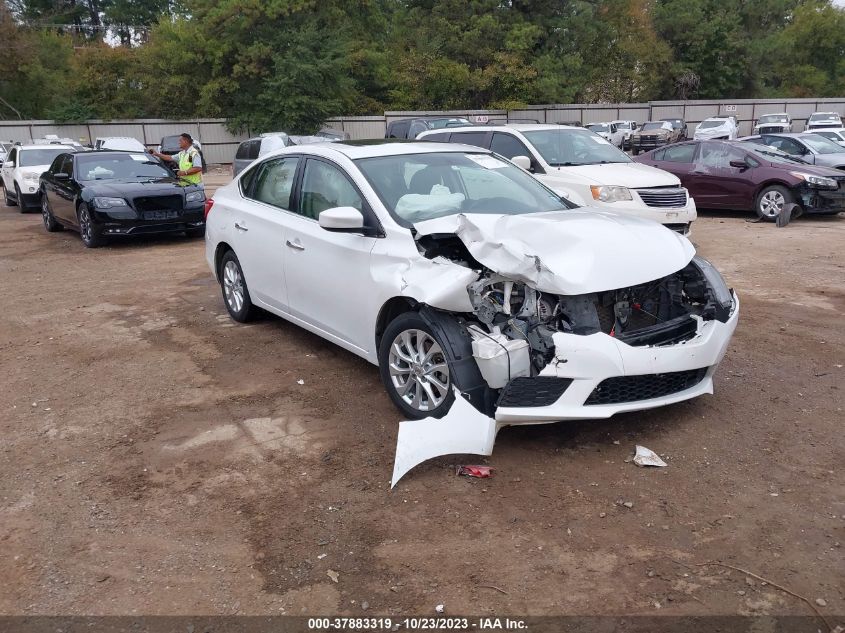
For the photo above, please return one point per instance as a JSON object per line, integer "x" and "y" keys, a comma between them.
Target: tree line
{"x": 291, "y": 64}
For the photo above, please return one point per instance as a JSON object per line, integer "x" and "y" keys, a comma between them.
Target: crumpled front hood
{"x": 568, "y": 252}
{"x": 633, "y": 175}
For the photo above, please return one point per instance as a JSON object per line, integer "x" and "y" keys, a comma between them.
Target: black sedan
{"x": 112, "y": 194}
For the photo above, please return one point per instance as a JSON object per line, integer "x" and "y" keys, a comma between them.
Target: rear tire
{"x": 234, "y": 289}
{"x": 415, "y": 368}
{"x": 47, "y": 215}
{"x": 771, "y": 201}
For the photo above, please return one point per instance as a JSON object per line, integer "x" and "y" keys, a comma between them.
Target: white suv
{"x": 823, "y": 119}
{"x": 584, "y": 168}
{"x": 609, "y": 132}
{"x": 22, "y": 168}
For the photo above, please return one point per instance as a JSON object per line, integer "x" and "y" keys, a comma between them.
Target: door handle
{"x": 295, "y": 245}
{"x": 240, "y": 227}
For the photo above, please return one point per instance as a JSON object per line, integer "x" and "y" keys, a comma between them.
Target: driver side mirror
{"x": 741, "y": 164}
{"x": 342, "y": 220}
{"x": 9, "y": 164}
{"x": 523, "y": 162}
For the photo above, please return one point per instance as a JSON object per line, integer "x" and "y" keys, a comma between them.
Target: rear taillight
{"x": 208, "y": 204}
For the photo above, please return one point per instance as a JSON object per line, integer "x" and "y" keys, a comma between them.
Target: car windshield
{"x": 119, "y": 167}
{"x": 565, "y": 148}
{"x": 598, "y": 127}
{"x": 822, "y": 145}
{"x": 34, "y": 157}
{"x": 707, "y": 124}
{"x": 653, "y": 125}
{"x": 417, "y": 187}
{"x": 774, "y": 156}
{"x": 623, "y": 125}
{"x": 676, "y": 123}
{"x": 774, "y": 118}
{"x": 824, "y": 117}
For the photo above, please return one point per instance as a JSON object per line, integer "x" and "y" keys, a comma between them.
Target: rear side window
{"x": 417, "y": 128}
{"x": 274, "y": 182}
{"x": 399, "y": 129}
{"x": 243, "y": 151}
{"x": 508, "y": 146}
{"x": 678, "y": 153}
{"x": 470, "y": 138}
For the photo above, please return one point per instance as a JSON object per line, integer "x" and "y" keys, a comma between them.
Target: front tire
{"x": 9, "y": 202}
{"x": 88, "y": 231}
{"x": 771, "y": 201}
{"x": 19, "y": 198}
{"x": 414, "y": 367}
{"x": 234, "y": 289}
{"x": 47, "y": 215}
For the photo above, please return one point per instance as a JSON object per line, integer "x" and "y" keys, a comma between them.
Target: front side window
{"x": 508, "y": 146}
{"x": 324, "y": 186}
{"x": 67, "y": 165}
{"x": 56, "y": 165}
{"x": 565, "y": 148}
{"x": 785, "y": 145}
{"x": 274, "y": 182}
{"x": 417, "y": 187}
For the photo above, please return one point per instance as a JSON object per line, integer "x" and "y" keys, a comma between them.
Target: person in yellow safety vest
{"x": 188, "y": 160}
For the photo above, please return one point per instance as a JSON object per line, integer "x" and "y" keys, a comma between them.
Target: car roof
{"x": 46, "y": 146}
{"x": 113, "y": 152}
{"x": 519, "y": 127}
{"x": 354, "y": 150}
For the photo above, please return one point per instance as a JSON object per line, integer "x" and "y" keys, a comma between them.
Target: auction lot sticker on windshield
{"x": 486, "y": 161}
{"x": 140, "y": 158}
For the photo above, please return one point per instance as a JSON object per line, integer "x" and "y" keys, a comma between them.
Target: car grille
{"x": 621, "y": 389}
{"x": 771, "y": 129}
{"x": 540, "y": 391}
{"x": 158, "y": 203}
{"x": 663, "y": 197}
{"x": 651, "y": 141}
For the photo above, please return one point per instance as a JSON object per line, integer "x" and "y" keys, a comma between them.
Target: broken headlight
{"x": 716, "y": 283}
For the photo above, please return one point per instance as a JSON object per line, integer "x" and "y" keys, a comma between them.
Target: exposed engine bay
{"x": 665, "y": 311}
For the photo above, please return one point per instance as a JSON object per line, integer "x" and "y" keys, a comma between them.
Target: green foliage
{"x": 291, "y": 64}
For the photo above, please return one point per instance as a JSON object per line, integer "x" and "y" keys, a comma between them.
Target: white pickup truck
{"x": 584, "y": 168}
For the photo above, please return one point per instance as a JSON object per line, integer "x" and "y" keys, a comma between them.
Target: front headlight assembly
{"x": 195, "y": 196}
{"x": 109, "y": 203}
{"x": 722, "y": 295}
{"x": 610, "y": 193}
{"x": 816, "y": 181}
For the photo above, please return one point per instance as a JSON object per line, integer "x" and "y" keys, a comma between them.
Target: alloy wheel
{"x": 45, "y": 212}
{"x": 85, "y": 228}
{"x": 418, "y": 370}
{"x": 233, "y": 286}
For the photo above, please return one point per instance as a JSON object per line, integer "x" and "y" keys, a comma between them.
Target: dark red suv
{"x": 741, "y": 176}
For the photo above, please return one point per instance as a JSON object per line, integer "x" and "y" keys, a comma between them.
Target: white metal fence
{"x": 219, "y": 145}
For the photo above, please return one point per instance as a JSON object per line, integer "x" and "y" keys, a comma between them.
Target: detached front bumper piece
{"x": 597, "y": 376}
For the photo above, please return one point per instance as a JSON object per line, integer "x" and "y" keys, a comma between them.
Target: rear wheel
{"x": 47, "y": 215}
{"x": 234, "y": 288}
{"x": 771, "y": 201}
{"x": 88, "y": 231}
{"x": 414, "y": 367}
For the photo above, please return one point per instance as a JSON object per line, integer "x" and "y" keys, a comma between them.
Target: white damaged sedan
{"x": 458, "y": 274}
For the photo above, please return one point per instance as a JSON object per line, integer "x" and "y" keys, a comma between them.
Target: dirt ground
{"x": 159, "y": 458}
